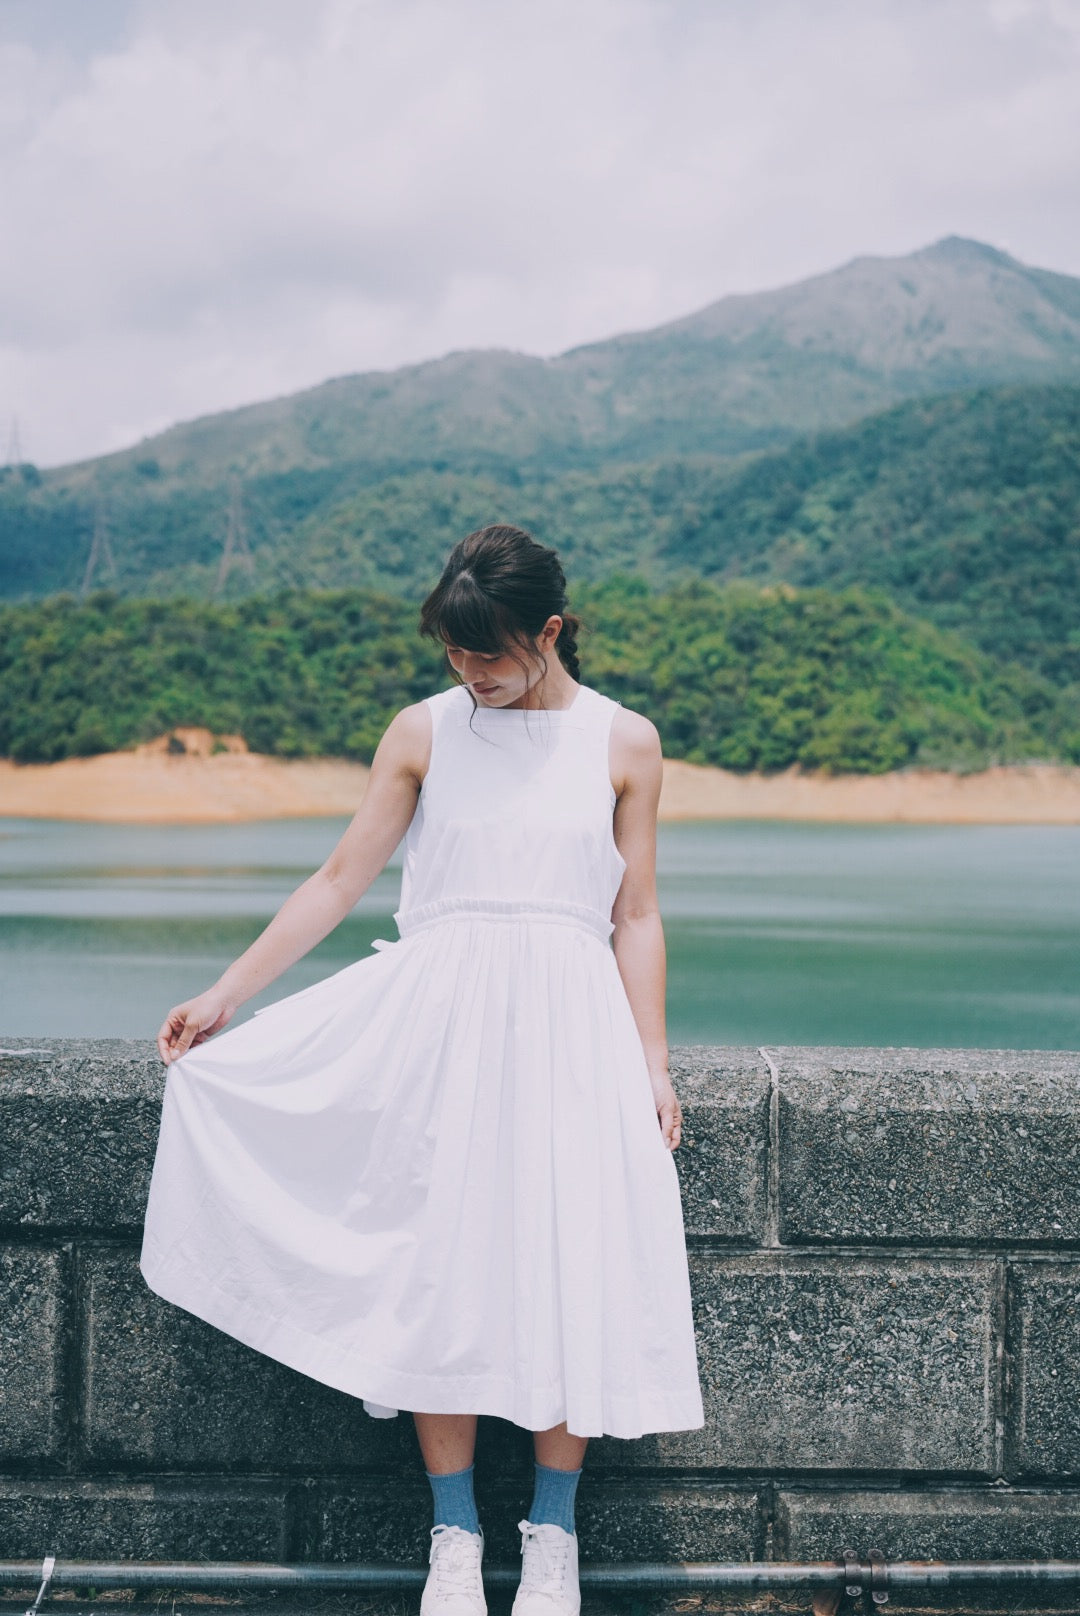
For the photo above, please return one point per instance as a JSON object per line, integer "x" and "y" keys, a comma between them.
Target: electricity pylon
{"x": 237, "y": 551}
{"x": 14, "y": 446}
{"x": 100, "y": 548}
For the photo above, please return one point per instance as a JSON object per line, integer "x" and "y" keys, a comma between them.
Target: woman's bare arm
{"x": 638, "y": 938}
{"x": 322, "y": 901}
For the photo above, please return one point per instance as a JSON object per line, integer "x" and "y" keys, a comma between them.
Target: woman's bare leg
{"x": 559, "y": 1450}
{"x": 447, "y": 1441}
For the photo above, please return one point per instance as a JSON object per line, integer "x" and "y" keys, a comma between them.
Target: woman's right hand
{"x": 193, "y": 1022}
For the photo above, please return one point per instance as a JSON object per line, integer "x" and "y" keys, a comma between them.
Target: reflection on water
{"x": 777, "y": 933}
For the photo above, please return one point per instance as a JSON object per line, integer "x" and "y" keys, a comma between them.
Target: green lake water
{"x": 777, "y": 933}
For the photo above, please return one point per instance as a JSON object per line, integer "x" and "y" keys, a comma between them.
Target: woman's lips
{"x": 485, "y": 690}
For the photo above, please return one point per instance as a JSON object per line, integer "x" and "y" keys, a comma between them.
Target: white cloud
{"x": 220, "y": 200}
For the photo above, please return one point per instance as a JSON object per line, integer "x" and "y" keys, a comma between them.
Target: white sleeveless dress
{"x": 436, "y": 1179}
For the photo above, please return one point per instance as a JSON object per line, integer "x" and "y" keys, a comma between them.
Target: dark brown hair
{"x": 497, "y": 590}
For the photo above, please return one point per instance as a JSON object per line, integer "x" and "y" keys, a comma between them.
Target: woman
{"x": 442, "y": 1178}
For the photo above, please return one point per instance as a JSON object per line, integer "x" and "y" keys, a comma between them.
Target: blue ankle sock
{"x": 452, "y": 1495}
{"x": 553, "y": 1496}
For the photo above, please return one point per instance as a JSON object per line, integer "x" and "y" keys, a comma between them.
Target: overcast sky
{"x": 210, "y": 202}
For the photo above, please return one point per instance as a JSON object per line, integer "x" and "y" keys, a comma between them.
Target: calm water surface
{"x": 777, "y": 933}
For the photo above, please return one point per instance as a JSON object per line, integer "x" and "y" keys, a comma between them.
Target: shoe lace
{"x": 546, "y": 1555}
{"x": 453, "y": 1553}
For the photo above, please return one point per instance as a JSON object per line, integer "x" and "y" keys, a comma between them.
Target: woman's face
{"x": 493, "y": 680}
{"x": 497, "y": 680}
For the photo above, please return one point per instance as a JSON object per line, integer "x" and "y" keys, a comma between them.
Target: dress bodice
{"x": 515, "y": 813}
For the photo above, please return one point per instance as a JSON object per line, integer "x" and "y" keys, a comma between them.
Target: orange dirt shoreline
{"x": 151, "y": 785}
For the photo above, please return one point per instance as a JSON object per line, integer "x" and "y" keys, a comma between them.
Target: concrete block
{"x": 835, "y": 1363}
{"x": 1043, "y": 1434}
{"x": 672, "y": 1519}
{"x": 32, "y": 1350}
{"x": 80, "y": 1127}
{"x": 988, "y": 1523}
{"x": 391, "y": 1519}
{"x": 165, "y": 1388}
{"x": 939, "y": 1145}
{"x": 724, "y": 1094}
{"x": 381, "y": 1518}
{"x": 163, "y": 1519}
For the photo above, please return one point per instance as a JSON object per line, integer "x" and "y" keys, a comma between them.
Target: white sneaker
{"x": 549, "y": 1572}
{"x": 454, "y": 1585}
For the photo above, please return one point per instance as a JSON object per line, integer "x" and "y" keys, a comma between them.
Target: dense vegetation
{"x": 965, "y": 509}
{"x": 740, "y": 676}
{"x": 663, "y": 461}
{"x": 352, "y": 527}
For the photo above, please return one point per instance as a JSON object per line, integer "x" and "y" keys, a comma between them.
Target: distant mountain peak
{"x": 747, "y": 372}
{"x": 958, "y": 249}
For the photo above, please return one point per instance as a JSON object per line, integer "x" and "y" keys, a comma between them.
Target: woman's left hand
{"x": 668, "y": 1110}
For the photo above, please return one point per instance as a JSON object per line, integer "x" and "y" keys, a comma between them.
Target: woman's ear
{"x": 551, "y": 631}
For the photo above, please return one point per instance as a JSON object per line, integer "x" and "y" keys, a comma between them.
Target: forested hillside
{"x": 652, "y": 462}
{"x": 964, "y": 508}
{"x": 743, "y": 677}
{"x": 367, "y": 454}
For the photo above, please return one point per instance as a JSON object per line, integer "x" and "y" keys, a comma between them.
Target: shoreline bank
{"x": 155, "y": 785}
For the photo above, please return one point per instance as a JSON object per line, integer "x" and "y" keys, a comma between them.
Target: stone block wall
{"x": 885, "y": 1261}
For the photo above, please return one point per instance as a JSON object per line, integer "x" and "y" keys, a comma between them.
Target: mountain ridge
{"x": 746, "y": 372}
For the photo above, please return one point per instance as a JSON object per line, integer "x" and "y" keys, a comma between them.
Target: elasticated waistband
{"x": 523, "y": 911}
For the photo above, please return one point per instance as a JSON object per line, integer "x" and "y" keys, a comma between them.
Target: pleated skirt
{"x": 436, "y": 1180}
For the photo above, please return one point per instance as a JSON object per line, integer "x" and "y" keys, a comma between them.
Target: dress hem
{"x": 393, "y": 1388}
